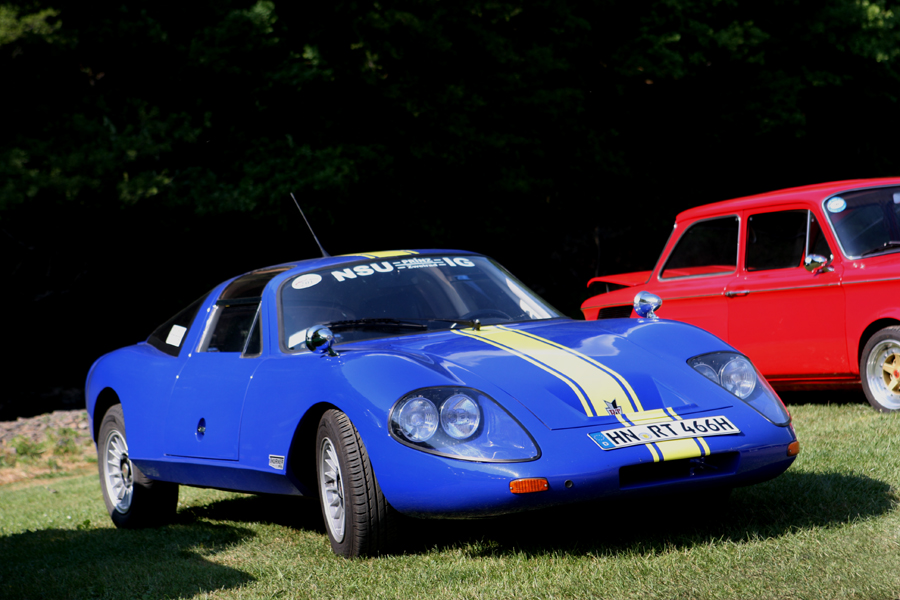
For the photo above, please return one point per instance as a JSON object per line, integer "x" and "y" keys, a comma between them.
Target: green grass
{"x": 828, "y": 528}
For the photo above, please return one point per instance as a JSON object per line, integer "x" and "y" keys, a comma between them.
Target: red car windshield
{"x": 404, "y": 295}
{"x": 866, "y": 222}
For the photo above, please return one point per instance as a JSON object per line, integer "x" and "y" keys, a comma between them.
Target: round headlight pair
{"x": 418, "y": 417}
{"x": 736, "y": 375}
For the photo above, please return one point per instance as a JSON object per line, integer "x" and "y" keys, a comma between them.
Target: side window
{"x": 776, "y": 240}
{"x": 235, "y": 324}
{"x": 706, "y": 248}
{"x": 169, "y": 336}
{"x": 232, "y": 327}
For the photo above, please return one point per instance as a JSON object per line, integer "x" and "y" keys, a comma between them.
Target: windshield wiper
{"x": 354, "y": 323}
{"x": 474, "y": 323}
{"x": 885, "y": 246}
{"x": 408, "y": 324}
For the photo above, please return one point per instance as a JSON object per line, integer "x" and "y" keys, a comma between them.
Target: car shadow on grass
{"x": 296, "y": 512}
{"x": 792, "y": 502}
{"x": 166, "y": 562}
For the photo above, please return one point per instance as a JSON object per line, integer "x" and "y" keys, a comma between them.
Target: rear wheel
{"x": 358, "y": 519}
{"x": 132, "y": 499}
{"x": 879, "y": 369}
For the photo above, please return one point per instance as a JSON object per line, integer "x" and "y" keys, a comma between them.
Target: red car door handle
{"x": 731, "y": 294}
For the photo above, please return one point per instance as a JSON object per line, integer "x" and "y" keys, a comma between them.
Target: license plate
{"x": 636, "y": 435}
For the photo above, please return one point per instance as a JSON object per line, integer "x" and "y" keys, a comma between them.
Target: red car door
{"x": 697, "y": 271}
{"x": 789, "y": 321}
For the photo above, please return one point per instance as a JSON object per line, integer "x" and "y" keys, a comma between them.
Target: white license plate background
{"x": 636, "y": 435}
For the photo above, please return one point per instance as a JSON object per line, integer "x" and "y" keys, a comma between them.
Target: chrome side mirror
{"x": 816, "y": 263}
{"x": 645, "y": 305}
{"x": 320, "y": 339}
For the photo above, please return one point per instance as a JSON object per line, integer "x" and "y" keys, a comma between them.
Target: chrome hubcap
{"x": 332, "y": 485}
{"x": 883, "y": 373}
{"x": 118, "y": 473}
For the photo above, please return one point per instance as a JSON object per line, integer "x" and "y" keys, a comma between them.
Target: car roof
{"x": 815, "y": 193}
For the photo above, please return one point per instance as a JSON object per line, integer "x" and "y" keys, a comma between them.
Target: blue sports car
{"x": 428, "y": 383}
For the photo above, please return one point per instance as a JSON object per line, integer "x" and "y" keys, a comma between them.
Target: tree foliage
{"x": 561, "y": 136}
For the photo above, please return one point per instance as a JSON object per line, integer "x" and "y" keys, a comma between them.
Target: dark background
{"x": 148, "y": 149}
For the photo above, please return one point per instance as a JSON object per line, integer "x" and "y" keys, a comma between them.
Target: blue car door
{"x": 204, "y": 411}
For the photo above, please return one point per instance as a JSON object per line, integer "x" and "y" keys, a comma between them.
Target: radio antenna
{"x": 324, "y": 254}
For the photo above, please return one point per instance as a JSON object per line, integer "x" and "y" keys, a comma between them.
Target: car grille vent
{"x": 678, "y": 470}
{"x": 615, "y": 312}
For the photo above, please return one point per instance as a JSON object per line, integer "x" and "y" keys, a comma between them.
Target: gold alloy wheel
{"x": 891, "y": 369}
{"x": 883, "y": 373}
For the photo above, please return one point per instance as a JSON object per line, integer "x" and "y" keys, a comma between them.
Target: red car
{"x": 804, "y": 281}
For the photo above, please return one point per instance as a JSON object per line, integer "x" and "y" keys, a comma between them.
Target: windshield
{"x": 866, "y": 222}
{"x": 379, "y": 298}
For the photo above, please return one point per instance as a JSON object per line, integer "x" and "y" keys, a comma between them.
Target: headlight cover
{"x": 462, "y": 423}
{"x": 736, "y": 374}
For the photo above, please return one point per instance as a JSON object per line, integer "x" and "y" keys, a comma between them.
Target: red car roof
{"x": 816, "y": 192}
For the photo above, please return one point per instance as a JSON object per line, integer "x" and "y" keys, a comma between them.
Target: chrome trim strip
{"x": 741, "y": 293}
{"x": 782, "y": 289}
{"x": 667, "y": 299}
{"x": 871, "y": 281}
{"x": 670, "y": 298}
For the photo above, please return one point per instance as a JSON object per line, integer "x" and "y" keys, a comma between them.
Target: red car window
{"x": 706, "y": 248}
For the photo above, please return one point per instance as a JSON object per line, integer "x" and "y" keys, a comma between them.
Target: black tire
{"x": 358, "y": 519}
{"x": 879, "y": 369}
{"x": 132, "y": 499}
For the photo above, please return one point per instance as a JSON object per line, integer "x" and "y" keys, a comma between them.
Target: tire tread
{"x": 373, "y": 527}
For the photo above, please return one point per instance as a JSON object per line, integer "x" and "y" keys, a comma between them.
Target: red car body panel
{"x": 626, "y": 279}
{"x": 802, "y": 330}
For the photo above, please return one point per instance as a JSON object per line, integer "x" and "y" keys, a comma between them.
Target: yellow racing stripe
{"x": 589, "y": 360}
{"x": 385, "y": 254}
{"x": 675, "y": 449}
{"x": 569, "y": 382}
{"x": 593, "y": 384}
{"x": 689, "y": 448}
{"x": 598, "y": 385}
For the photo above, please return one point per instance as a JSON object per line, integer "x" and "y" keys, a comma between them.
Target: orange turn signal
{"x": 794, "y": 448}
{"x": 527, "y": 486}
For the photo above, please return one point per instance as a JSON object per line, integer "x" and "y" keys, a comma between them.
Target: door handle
{"x": 733, "y": 294}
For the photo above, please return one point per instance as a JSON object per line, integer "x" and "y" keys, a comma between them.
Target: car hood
{"x": 578, "y": 373}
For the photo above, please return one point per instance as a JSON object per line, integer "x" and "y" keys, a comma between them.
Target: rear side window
{"x": 169, "y": 337}
{"x": 706, "y": 248}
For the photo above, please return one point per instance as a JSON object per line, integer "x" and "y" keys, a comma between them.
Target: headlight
{"x": 738, "y": 375}
{"x": 417, "y": 418}
{"x": 460, "y": 423}
{"x": 460, "y": 416}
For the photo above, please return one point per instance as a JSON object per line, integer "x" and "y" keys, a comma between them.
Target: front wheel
{"x": 132, "y": 499}
{"x": 879, "y": 369}
{"x": 358, "y": 519}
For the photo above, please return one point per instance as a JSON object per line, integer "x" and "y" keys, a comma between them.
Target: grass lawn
{"x": 828, "y": 528}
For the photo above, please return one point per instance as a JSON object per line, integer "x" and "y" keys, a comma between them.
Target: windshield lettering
{"x": 377, "y": 299}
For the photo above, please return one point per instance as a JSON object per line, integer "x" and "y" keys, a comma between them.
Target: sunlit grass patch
{"x": 827, "y": 528}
